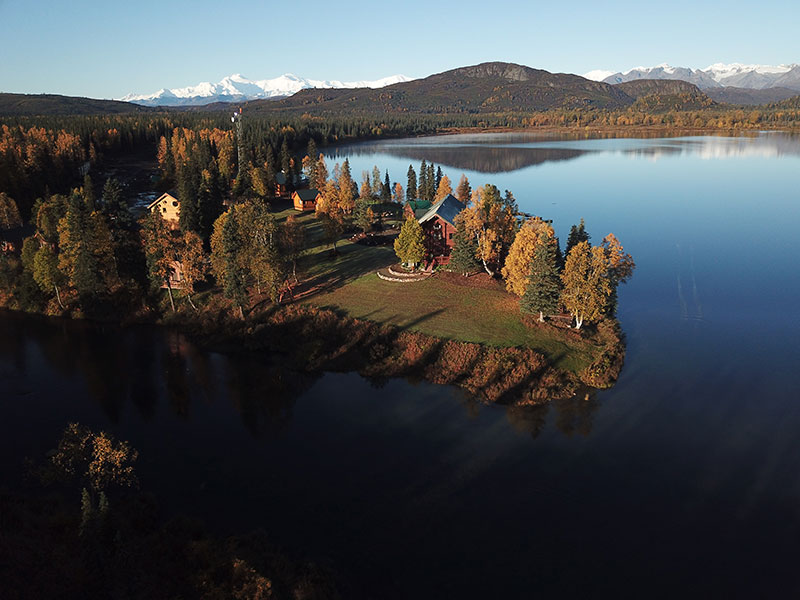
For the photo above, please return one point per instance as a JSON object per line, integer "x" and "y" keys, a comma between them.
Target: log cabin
{"x": 306, "y": 199}
{"x": 438, "y": 227}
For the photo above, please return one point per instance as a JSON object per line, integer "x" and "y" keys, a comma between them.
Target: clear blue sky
{"x": 107, "y": 49}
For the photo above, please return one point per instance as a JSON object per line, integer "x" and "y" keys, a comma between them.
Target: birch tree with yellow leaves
{"x": 586, "y": 283}
{"x": 492, "y": 220}
{"x": 517, "y": 268}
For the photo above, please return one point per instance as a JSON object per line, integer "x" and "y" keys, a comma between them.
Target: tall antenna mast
{"x": 236, "y": 119}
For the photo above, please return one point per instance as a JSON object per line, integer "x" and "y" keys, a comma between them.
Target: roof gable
{"x": 307, "y": 195}
{"x": 165, "y": 196}
{"x": 446, "y": 209}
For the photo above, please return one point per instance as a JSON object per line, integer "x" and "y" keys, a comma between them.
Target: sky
{"x": 106, "y": 49}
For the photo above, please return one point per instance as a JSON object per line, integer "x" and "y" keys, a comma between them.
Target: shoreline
{"x": 306, "y": 338}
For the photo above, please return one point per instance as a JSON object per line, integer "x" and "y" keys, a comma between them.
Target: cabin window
{"x": 175, "y": 203}
{"x": 450, "y": 236}
{"x": 164, "y": 209}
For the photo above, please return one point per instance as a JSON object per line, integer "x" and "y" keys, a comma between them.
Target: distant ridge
{"x": 487, "y": 87}
{"x": 54, "y": 104}
{"x": 734, "y": 95}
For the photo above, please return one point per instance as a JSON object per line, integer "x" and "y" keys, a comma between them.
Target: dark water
{"x": 683, "y": 479}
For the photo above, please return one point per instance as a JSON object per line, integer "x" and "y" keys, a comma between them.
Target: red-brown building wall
{"x": 438, "y": 239}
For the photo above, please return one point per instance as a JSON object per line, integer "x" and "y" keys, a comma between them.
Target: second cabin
{"x": 306, "y": 199}
{"x": 169, "y": 207}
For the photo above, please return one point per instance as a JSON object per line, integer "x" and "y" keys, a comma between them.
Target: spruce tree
{"x": 76, "y": 257}
{"x": 114, "y": 206}
{"x": 363, "y": 216}
{"x": 285, "y": 159}
{"x": 235, "y": 277}
{"x": 462, "y": 256}
{"x": 210, "y": 197}
{"x": 432, "y": 184}
{"x": 189, "y": 217}
{"x": 386, "y": 189}
{"x": 544, "y": 283}
{"x": 312, "y": 151}
{"x": 88, "y": 192}
{"x": 422, "y": 186}
{"x": 411, "y": 188}
{"x": 577, "y": 234}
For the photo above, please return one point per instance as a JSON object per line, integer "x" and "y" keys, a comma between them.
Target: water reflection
{"x": 264, "y": 394}
{"x": 152, "y": 369}
{"x": 506, "y": 152}
{"x": 485, "y": 160}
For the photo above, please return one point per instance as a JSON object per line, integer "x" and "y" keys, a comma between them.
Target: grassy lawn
{"x": 446, "y": 310}
{"x": 435, "y": 306}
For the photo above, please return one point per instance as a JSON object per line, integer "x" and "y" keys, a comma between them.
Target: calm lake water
{"x": 684, "y": 478}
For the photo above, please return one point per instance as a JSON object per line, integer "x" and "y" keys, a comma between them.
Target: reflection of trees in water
{"x": 176, "y": 368}
{"x": 89, "y": 350}
{"x": 134, "y": 364}
{"x": 141, "y": 372}
{"x": 12, "y": 341}
{"x": 486, "y": 160}
{"x": 576, "y": 415}
{"x": 496, "y": 153}
{"x": 531, "y": 419}
{"x": 572, "y": 416}
{"x": 493, "y": 159}
{"x": 264, "y": 393}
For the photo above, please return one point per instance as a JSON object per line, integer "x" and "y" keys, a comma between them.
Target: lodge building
{"x": 439, "y": 228}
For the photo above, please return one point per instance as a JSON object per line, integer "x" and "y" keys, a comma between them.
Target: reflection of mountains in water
{"x": 487, "y": 152}
{"x": 484, "y": 159}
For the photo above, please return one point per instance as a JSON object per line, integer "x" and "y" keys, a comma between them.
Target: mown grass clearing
{"x": 443, "y": 309}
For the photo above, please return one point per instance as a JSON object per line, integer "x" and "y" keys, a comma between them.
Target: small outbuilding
{"x": 306, "y": 199}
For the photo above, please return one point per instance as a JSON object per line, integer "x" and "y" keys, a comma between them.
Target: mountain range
{"x": 733, "y": 83}
{"x": 485, "y": 88}
{"x": 237, "y": 88}
{"x": 757, "y": 77}
{"x": 489, "y": 88}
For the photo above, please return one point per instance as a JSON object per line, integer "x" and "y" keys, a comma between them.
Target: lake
{"x": 682, "y": 479}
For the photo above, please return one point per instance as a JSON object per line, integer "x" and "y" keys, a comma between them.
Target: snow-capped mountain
{"x": 717, "y": 75}
{"x": 236, "y": 88}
